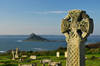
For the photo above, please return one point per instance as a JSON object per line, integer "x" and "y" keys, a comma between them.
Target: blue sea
{"x": 9, "y": 42}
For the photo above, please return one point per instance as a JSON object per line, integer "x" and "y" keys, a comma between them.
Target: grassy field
{"x": 6, "y": 61}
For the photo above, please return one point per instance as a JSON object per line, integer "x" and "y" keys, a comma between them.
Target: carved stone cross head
{"x": 77, "y": 23}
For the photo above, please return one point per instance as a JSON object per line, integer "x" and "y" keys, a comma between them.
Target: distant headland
{"x": 34, "y": 37}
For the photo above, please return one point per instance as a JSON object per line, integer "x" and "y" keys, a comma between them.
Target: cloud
{"x": 50, "y": 12}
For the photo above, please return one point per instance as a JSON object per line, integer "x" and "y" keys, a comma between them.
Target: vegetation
{"x": 8, "y": 62}
{"x": 92, "y": 54}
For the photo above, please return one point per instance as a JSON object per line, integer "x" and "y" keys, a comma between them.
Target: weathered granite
{"x": 33, "y": 57}
{"x": 45, "y": 61}
{"x": 55, "y": 64}
{"x": 27, "y": 64}
{"x": 57, "y": 54}
{"x": 13, "y": 55}
{"x": 65, "y": 54}
{"x": 76, "y": 27}
{"x": 16, "y": 55}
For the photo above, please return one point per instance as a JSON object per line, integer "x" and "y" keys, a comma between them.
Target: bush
{"x": 93, "y": 51}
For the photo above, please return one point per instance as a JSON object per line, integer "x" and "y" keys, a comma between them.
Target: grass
{"x": 92, "y": 62}
{"x": 6, "y": 61}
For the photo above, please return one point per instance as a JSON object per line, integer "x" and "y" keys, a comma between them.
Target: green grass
{"x": 90, "y": 55}
{"x": 6, "y": 61}
{"x": 92, "y": 62}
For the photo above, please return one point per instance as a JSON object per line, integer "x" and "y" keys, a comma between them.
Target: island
{"x": 34, "y": 37}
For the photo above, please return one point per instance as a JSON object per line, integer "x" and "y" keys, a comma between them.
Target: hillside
{"x": 34, "y": 37}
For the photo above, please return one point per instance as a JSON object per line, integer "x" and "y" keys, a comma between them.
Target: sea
{"x": 9, "y": 42}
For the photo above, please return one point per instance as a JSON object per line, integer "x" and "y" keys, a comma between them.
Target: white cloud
{"x": 50, "y": 12}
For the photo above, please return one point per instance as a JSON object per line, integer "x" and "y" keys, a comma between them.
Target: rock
{"x": 65, "y": 54}
{"x": 13, "y": 57}
{"x": 55, "y": 64}
{"x": 24, "y": 56}
{"x": 25, "y": 65}
{"x": 58, "y": 54}
{"x": 33, "y": 57}
{"x": 76, "y": 27}
{"x": 34, "y": 37}
{"x": 16, "y": 55}
{"x": 45, "y": 61}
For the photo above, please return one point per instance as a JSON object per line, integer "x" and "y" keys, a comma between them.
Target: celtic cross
{"x": 76, "y": 27}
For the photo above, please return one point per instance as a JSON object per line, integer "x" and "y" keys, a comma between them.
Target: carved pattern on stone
{"x": 77, "y": 20}
{"x": 76, "y": 26}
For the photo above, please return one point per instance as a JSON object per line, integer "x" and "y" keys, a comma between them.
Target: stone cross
{"x": 13, "y": 55}
{"x": 76, "y": 27}
{"x": 16, "y": 55}
{"x": 57, "y": 54}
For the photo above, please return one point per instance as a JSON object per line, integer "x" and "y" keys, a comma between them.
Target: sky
{"x": 22, "y": 17}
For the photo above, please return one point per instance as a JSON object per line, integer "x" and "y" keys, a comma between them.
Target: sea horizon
{"x": 9, "y": 42}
